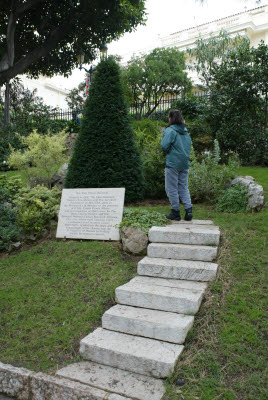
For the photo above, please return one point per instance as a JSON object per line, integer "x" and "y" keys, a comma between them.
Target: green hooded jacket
{"x": 176, "y": 143}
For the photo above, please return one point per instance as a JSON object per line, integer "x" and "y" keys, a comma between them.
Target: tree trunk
{"x": 7, "y": 99}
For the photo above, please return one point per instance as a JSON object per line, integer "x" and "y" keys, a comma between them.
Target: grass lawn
{"x": 53, "y": 294}
{"x": 225, "y": 353}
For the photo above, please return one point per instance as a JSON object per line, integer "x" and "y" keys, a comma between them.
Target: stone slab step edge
{"x": 182, "y": 251}
{"x": 131, "y": 353}
{"x": 166, "y": 282}
{"x": 178, "y": 269}
{"x": 194, "y": 222}
{"x": 115, "y": 380}
{"x": 24, "y": 384}
{"x": 153, "y": 324}
{"x": 181, "y": 301}
{"x": 185, "y": 234}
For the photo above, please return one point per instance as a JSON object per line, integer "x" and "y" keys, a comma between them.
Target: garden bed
{"x": 54, "y": 293}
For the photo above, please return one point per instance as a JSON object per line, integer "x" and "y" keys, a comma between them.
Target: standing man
{"x": 176, "y": 143}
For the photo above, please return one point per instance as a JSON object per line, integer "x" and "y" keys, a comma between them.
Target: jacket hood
{"x": 181, "y": 129}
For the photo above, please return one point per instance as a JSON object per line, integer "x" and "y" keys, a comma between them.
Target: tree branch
{"x": 10, "y": 39}
{"x": 20, "y": 66}
{"x": 7, "y": 60}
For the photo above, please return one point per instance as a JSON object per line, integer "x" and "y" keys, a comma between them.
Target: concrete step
{"x": 157, "y": 297}
{"x": 45, "y": 387}
{"x": 185, "y": 234}
{"x": 159, "y": 325}
{"x": 125, "y": 383}
{"x": 193, "y": 222}
{"x": 131, "y": 353}
{"x": 178, "y": 269}
{"x": 24, "y": 384}
{"x": 182, "y": 251}
{"x": 173, "y": 283}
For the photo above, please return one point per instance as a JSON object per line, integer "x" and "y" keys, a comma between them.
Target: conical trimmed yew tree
{"x": 105, "y": 153}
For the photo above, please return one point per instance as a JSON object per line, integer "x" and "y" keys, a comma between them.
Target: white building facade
{"x": 53, "y": 95}
{"x": 252, "y": 23}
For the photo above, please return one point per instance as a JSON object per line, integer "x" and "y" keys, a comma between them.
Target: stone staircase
{"x": 141, "y": 337}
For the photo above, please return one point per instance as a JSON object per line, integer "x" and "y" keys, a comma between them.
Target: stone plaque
{"x": 91, "y": 213}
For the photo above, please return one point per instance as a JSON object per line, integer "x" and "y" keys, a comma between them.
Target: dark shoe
{"x": 188, "y": 214}
{"x": 174, "y": 215}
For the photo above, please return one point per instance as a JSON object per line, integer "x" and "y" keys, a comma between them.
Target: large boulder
{"x": 134, "y": 240}
{"x": 255, "y": 191}
{"x": 58, "y": 178}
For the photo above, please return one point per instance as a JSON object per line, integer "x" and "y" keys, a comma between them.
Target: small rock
{"x": 250, "y": 178}
{"x": 16, "y": 245}
{"x": 32, "y": 237}
{"x": 255, "y": 191}
{"x": 134, "y": 240}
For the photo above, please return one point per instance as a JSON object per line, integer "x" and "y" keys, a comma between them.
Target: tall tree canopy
{"x": 43, "y": 36}
{"x": 210, "y": 52}
{"x": 155, "y": 75}
{"x": 239, "y": 101}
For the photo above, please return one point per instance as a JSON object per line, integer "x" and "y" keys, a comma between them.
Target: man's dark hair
{"x": 175, "y": 117}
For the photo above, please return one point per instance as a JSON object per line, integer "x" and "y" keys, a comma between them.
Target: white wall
{"x": 252, "y": 24}
{"x": 52, "y": 95}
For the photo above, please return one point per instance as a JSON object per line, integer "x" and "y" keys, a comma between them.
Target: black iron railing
{"x": 142, "y": 109}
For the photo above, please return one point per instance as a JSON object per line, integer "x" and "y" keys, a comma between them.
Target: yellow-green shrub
{"x": 36, "y": 207}
{"x": 42, "y": 155}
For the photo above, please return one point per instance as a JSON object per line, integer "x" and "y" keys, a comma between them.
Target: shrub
{"x": 105, "y": 153}
{"x": 146, "y": 131}
{"x": 239, "y": 103}
{"x": 8, "y": 138}
{"x": 142, "y": 218}
{"x": 161, "y": 115}
{"x": 36, "y": 207}
{"x": 195, "y": 111}
{"x": 154, "y": 169}
{"x": 201, "y": 135}
{"x": 73, "y": 127}
{"x": 249, "y": 140}
{"x": 42, "y": 156}
{"x": 233, "y": 200}
{"x": 9, "y": 188}
{"x": 191, "y": 107}
{"x": 8, "y": 229}
{"x": 208, "y": 178}
{"x": 148, "y": 138}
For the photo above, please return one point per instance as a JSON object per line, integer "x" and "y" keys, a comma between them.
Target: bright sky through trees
{"x": 165, "y": 17}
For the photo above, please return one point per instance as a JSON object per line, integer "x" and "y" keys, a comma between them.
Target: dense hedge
{"x": 105, "y": 153}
